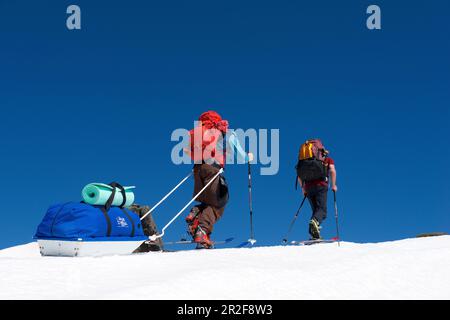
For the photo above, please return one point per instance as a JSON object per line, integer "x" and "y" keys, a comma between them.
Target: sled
{"x": 89, "y": 247}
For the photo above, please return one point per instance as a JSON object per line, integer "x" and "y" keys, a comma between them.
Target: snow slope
{"x": 407, "y": 269}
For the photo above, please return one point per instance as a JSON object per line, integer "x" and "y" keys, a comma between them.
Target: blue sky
{"x": 100, "y": 104}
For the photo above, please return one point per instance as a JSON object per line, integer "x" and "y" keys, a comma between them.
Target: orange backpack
{"x": 311, "y": 166}
{"x": 312, "y": 149}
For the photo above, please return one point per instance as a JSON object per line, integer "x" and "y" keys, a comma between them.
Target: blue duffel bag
{"x": 73, "y": 221}
{"x": 81, "y": 221}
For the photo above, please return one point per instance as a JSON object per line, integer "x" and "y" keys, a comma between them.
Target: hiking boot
{"x": 202, "y": 246}
{"x": 192, "y": 215}
{"x": 314, "y": 229}
{"x": 202, "y": 239}
{"x": 192, "y": 221}
{"x": 192, "y": 227}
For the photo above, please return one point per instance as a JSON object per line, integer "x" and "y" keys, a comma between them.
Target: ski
{"x": 248, "y": 243}
{"x": 312, "y": 242}
{"x": 184, "y": 241}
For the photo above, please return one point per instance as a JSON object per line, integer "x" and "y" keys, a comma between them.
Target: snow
{"x": 406, "y": 269}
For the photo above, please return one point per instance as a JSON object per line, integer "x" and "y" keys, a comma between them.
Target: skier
{"x": 208, "y": 148}
{"x": 314, "y": 169}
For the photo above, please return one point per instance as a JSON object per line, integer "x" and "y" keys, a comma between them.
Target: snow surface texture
{"x": 407, "y": 269}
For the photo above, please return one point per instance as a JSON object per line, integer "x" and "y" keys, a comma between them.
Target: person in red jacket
{"x": 208, "y": 146}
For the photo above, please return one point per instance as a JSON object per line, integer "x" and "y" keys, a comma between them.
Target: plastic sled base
{"x": 80, "y": 248}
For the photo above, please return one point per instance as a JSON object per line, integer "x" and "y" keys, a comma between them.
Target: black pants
{"x": 317, "y": 196}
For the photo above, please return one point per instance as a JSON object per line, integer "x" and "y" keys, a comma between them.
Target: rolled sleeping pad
{"x": 97, "y": 194}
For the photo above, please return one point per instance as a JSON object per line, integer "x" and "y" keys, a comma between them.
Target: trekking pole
{"x": 155, "y": 236}
{"x": 250, "y": 200}
{"x": 293, "y": 221}
{"x": 336, "y": 217}
{"x": 166, "y": 196}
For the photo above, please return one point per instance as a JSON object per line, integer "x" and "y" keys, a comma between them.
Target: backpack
{"x": 311, "y": 159}
{"x": 203, "y": 144}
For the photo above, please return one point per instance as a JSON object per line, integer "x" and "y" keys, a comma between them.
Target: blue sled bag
{"x": 74, "y": 221}
{"x": 77, "y": 229}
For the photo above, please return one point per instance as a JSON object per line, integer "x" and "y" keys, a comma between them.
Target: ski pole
{"x": 166, "y": 196}
{"x": 154, "y": 237}
{"x": 250, "y": 200}
{"x": 293, "y": 221}
{"x": 336, "y": 217}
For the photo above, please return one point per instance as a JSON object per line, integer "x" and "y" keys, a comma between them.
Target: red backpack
{"x": 203, "y": 144}
{"x": 204, "y": 138}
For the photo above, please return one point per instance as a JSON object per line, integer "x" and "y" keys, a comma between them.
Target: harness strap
{"x": 108, "y": 220}
{"x": 133, "y": 229}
